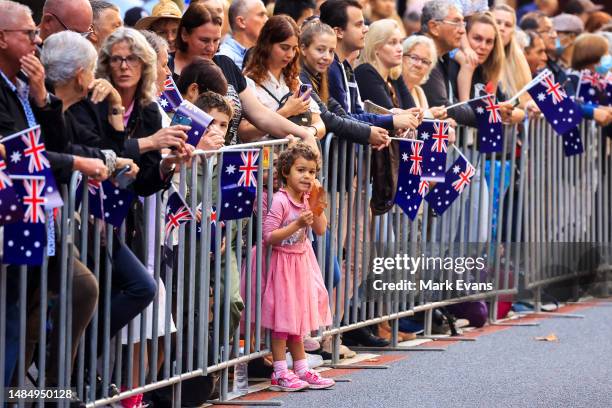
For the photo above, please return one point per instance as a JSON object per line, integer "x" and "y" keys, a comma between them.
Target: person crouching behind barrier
{"x": 295, "y": 301}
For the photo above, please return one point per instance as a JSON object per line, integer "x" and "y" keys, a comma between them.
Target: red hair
{"x": 276, "y": 30}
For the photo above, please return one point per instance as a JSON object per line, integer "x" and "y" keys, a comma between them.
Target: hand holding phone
{"x": 304, "y": 91}
{"x": 122, "y": 179}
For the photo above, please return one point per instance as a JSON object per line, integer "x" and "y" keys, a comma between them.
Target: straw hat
{"x": 163, "y": 9}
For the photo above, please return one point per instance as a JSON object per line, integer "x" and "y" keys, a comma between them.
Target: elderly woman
{"x": 69, "y": 61}
{"x": 419, "y": 55}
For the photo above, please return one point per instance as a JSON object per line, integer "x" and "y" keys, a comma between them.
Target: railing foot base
{"x": 552, "y": 314}
{"x": 356, "y": 366}
{"x": 247, "y": 402}
{"x": 398, "y": 348}
{"x": 342, "y": 380}
{"x": 513, "y": 324}
{"x": 447, "y": 338}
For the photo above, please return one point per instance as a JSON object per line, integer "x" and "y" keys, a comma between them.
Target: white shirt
{"x": 277, "y": 88}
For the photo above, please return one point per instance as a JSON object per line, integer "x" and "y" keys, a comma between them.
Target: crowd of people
{"x": 299, "y": 68}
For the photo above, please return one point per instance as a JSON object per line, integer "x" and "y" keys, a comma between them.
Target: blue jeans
{"x": 133, "y": 288}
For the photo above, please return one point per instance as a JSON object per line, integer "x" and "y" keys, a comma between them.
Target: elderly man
{"x": 25, "y": 102}
{"x": 442, "y": 22}
{"x": 246, "y": 18}
{"x": 60, "y": 15}
{"x": 106, "y": 19}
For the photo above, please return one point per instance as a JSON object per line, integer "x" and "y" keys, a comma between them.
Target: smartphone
{"x": 179, "y": 119}
{"x": 304, "y": 91}
{"x": 122, "y": 179}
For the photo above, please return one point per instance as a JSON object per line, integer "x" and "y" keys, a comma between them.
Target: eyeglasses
{"x": 131, "y": 60}
{"x": 32, "y": 34}
{"x": 549, "y": 32}
{"x": 415, "y": 59}
{"x": 455, "y": 24}
{"x": 85, "y": 34}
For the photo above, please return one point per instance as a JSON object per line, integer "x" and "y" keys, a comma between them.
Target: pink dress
{"x": 294, "y": 299}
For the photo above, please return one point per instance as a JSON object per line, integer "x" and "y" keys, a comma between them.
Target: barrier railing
{"x": 190, "y": 284}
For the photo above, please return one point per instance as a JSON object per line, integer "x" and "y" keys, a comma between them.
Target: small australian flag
{"x": 170, "y": 98}
{"x": 177, "y": 213}
{"x": 434, "y": 134}
{"x": 10, "y": 205}
{"x": 590, "y": 86}
{"x": 238, "y": 184}
{"x": 572, "y": 142}
{"x": 560, "y": 111}
{"x": 410, "y": 188}
{"x": 25, "y": 240}
{"x": 458, "y": 177}
{"x": 213, "y": 226}
{"x": 26, "y": 156}
{"x": 490, "y": 128}
{"x": 199, "y": 121}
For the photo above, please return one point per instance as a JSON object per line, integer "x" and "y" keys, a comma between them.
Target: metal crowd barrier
{"x": 566, "y": 209}
{"x": 201, "y": 290}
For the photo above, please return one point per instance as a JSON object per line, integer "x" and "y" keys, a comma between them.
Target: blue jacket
{"x": 349, "y": 98}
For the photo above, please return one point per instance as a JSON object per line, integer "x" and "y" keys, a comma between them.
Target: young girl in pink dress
{"x": 294, "y": 301}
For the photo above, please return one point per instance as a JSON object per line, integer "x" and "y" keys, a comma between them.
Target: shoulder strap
{"x": 280, "y": 102}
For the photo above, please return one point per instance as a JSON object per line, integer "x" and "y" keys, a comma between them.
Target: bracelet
{"x": 315, "y": 130}
{"x": 110, "y": 160}
{"x": 117, "y": 111}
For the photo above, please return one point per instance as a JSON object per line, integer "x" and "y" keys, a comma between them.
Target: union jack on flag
{"x": 416, "y": 158}
{"x": 5, "y": 180}
{"x": 248, "y": 169}
{"x": 423, "y": 188}
{"x": 465, "y": 177}
{"x": 34, "y": 150}
{"x": 177, "y": 213}
{"x": 170, "y": 98}
{"x": 440, "y": 136}
{"x": 33, "y": 200}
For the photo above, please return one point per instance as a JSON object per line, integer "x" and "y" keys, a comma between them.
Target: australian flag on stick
{"x": 410, "y": 188}
{"x": 590, "y": 85}
{"x": 25, "y": 240}
{"x": 177, "y": 213}
{"x": 170, "y": 98}
{"x": 458, "y": 177}
{"x": 490, "y": 128}
{"x": 26, "y": 156}
{"x": 434, "y": 134}
{"x": 238, "y": 184}
{"x": 199, "y": 121}
{"x": 572, "y": 142}
{"x": 560, "y": 111}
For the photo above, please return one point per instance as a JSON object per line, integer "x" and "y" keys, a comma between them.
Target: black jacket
{"x": 13, "y": 119}
{"x": 385, "y": 162}
{"x": 441, "y": 84}
{"x": 143, "y": 122}
{"x": 336, "y": 119}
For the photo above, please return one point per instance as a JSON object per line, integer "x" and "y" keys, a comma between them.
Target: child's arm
{"x": 278, "y": 235}
{"x": 319, "y": 224}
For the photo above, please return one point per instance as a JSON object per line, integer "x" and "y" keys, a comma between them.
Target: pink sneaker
{"x": 287, "y": 381}
{"x": 315, "y": 381}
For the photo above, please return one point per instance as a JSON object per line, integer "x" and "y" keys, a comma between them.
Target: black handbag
{"x": 303, "y": 119}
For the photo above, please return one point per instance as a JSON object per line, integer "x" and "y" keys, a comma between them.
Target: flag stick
{"x": 524, "y": 89}
{"x": 464, "y": 102}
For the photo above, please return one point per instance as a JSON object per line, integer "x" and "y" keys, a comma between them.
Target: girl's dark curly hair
{"x": 276, "y": 30}
{"x": 288, "y": 157}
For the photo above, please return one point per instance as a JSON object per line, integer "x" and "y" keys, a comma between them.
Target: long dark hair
{"x": 276, "y": 30}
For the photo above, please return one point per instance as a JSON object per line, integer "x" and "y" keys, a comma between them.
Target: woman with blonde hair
{"x": 515, "y": 71}
{"x": 380, "y": 67}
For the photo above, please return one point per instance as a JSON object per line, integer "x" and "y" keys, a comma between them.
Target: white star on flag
{"x": 479, "y": 110}
{"x": 405, "y": 156}
{"x": 541, "y": 97}
{"x": 230, "y": 169}
{"x": 424, "y": 135}
{"x": 15, "y": 157}
{"x": 456, "y": 169}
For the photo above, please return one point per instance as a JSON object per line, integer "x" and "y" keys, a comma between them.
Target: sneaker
{"x": 287, "y": 381}
{"x": 315, "y": 381}
{"x": 310, "y": 344}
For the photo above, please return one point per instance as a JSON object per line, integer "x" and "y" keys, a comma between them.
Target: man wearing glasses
{"x": 444, "y": 24}
{"x": 71, "y": 15}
